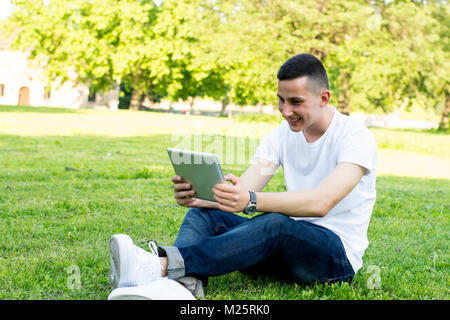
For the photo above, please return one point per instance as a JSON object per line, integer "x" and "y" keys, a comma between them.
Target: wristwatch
{"x": 251, "y": 207}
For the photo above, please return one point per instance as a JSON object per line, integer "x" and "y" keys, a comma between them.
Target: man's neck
{"x": 314, "y": 132}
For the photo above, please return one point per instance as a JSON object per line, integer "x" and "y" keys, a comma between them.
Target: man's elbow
{"x": 324, "y": 206}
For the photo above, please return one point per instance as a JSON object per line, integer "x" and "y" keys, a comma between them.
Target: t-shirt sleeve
{"x": 269, "y": 148}
{"x": 359, "y": 147}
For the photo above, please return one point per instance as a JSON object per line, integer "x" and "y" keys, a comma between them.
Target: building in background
{"x": 22, "y": 85}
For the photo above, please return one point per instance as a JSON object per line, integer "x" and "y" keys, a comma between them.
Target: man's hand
{"x": 183, "y": 193}
{"x": 231, "y": 198}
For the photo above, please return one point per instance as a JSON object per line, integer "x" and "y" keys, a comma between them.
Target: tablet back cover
{"x": 201, "y": 170}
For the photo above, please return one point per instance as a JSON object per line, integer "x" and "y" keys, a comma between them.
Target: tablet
{"x": 201, "y": 170}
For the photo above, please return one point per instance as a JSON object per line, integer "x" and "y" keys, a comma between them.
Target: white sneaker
{"x": 162, "y": 289}
{"x": 130, "y": 264}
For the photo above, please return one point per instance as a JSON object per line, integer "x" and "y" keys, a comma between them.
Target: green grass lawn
{"x": 63, "y": 195}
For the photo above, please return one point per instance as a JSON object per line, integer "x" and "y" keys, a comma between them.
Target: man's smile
{"x": 294, "y": 120}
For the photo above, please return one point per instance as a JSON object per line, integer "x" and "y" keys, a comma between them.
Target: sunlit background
{"x": 5, "y": 8}
{"x": 92, "y": 92}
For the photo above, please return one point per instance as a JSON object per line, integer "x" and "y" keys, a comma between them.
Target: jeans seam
{"x": 344, "y": 277}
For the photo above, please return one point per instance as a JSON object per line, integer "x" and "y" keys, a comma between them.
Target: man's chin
{"x": 295, "y": 128}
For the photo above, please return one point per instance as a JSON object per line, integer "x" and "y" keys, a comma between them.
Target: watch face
{"x": 251, "y": 209}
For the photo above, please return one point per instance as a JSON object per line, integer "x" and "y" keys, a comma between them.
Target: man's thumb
{"x": 232, "y": 178}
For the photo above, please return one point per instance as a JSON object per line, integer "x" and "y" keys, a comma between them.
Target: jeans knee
{"x": 274, "y": 217}
{"x": 195, "y": 226}
{"x": 195, "y": 213}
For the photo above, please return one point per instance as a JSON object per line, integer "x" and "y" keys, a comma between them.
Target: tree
{"x": 182, "y": 66}
{"x": 402, "y": 57}
{"x": 378, "y": 54}
{"x": 102, "y": 43}
{"x": 440, "y": 81}
{"x": 266, "y": 33}
{"x": 95, "y": 42}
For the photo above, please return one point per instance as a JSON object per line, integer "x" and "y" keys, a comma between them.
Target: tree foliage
{"x": 379, "y": 54}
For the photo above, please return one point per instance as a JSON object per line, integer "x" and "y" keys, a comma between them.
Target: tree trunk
{"x": 135, "y": 101}
{"x": 402, "y": 108}
{"x": 443, "y": 124}
{"x": 344, "y": 94}
{"x": 148, "y": 100}
{"x": 191, "y": 103}
{"x": 225, "y": 101}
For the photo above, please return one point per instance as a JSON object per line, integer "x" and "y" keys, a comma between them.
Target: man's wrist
{"x": 258, "y": 200}
{"x": 251, "y": 205}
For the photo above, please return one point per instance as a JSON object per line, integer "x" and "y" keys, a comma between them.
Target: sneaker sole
{"x": 163, "y": 289}
{"x": 121, "y": 252}
{"x": 126, "y": 296}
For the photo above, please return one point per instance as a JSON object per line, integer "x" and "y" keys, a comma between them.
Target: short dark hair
{"x": 304, "y": 64}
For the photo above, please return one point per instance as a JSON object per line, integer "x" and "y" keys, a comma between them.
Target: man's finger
{"x": 225, "y": 208}
{"x": 232, "y": 178}
{"x": 190, "y": 202}
{"x": 222, "y": 195}
{"x": 225, "y": 201}
{"x": 177, "y": 179}
{"x": 184, "y": 194}
{"x": 182, "y": 186}
{"x": 224, "y": 187}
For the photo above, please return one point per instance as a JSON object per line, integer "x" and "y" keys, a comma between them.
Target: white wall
{"x": 15, "y": 73}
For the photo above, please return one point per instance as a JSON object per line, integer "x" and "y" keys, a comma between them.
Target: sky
{"x": 5, "y": 8}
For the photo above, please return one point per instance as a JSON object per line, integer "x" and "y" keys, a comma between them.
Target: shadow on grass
{"x": 239, "y": 116}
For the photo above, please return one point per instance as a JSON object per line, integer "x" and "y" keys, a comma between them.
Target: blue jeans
{"x": 214, "y": 242}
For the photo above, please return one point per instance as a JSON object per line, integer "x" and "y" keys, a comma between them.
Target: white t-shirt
{"x": 306, "y": 164}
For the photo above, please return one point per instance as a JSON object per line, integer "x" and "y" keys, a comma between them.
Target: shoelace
{"x": 153, "y": 248}
{"x": 145, "y": 266}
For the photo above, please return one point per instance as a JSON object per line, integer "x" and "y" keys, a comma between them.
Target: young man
{"x": 315, "y": 231}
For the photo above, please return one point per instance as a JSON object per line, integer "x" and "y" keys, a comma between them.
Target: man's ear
{"x": 325, "y": 97}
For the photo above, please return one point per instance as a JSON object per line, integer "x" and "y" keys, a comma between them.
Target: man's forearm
{"x": 301, "y": 203}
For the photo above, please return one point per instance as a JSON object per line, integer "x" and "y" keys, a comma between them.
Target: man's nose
{"x": 287, "y": 110}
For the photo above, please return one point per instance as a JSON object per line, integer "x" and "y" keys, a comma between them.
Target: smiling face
{"x": 302, "y": 104}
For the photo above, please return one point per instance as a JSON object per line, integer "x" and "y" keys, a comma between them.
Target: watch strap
{"x": 252, "y": 196}
{"x": 251, "y": 206}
